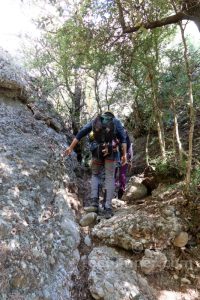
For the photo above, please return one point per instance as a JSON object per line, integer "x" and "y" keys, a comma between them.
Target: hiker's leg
{"x": 104, "y": 199}
{"x": 95, "y": 180}
{"x": 122, "y": 178}
{"x": 116, "y": 169}
{"x": 117, "y": 174}
{"x": 109, "y": 181}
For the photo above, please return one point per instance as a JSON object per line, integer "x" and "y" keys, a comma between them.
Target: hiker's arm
{"x": 69, "y": 150}
{"x": 84, "y": 131}
{"x": 131, "y": 152}
{"x": 122, "y": 138}
{"x": 124, "y": 154}
{"x": 121, "y": 135}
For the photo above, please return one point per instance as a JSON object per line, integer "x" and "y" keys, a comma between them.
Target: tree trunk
{"x": 76, "y": 105}
{"x": 192, "y": 112}
{"x": 138, "y": 120}
{"x": 174, "y": 144}
{"x": 147, "y": 148}
{"x": 191, "y": 8}
{"x": 158, "y": 116}
{"x": 76, "y": 108}
{"x": 176, "y": 131}
{"x": 96, "y": 92}
{"x": 161, "y": 136}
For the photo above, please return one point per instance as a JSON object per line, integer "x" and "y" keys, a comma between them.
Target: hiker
{"x": 106, "y": 130}
{"x": 121, "y": 170}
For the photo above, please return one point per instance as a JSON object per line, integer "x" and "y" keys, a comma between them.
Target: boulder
{"x": 113, "y": 276}
{"x": 153, "y": 262}
{"x": 116, "y": 203}
{"x": 87, "y": 241}
{"x": 181, "y": 239}
{"x": 138, "y": 229}
{"x": 88, "y": 219}
{"x": 13, "y": 83}
{"x": 135, "y": 190}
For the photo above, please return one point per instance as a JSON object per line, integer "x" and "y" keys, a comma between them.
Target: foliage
{"x": 85, "y": 64}
{"x": 195, "y": 182}
{"x": 169, "y": 168}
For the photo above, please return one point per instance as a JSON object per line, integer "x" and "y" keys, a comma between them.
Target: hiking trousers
{"x": 97, "y": 166}
{"x": 121, "y": 178}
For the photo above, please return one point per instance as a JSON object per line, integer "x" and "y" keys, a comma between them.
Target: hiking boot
{"x": 120, "y": 194}
{"x": 95, "y": 204}
{"x": 101, "y": 211}
{"x": 108, "y": 213}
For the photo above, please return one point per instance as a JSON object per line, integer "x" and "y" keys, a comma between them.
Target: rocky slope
{"x": 38, "y": 232}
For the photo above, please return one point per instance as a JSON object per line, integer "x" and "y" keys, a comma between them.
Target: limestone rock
{"x": 5, "y": 228}
{"x": 88, "y": 219}
{"x": 116, "y": 203}
{"x": 185, "y": 281}
{"x": 19, "y": 281}
{"x": 114, "y": 277}
{"x": 12, "y": 78}
{"x": 138, "y": 229}
{"x": 181, "y": 239}
{"x": 37, "y": 223}
{"x": 45, "y": 111}
{"x": 89, "y": 209}
{"x": 153, "y": 262}
{"x": 87, "y": 241}
{"x": 135, "y": 190}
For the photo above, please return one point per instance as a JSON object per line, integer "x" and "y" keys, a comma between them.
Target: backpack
{"x": 104, "y": 132}
{"x": 104, "y": 129}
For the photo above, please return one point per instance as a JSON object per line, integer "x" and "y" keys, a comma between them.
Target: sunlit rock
{"x": 138, "y": 229}
{"x": 135, "y": 190}
{"x": 153, "y": 262}
{"x": 181, "y": 239}
{"x": 39, "y": 235}
{"x": 113, "y": 276}
{"x": 88, "y": 219}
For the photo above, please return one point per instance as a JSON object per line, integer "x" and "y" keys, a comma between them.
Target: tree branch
{"x": 159, "y": 23}
{"x": 68, "y": 88}
{"x": 179, "y": 16}
{"x": 121, "y": 16}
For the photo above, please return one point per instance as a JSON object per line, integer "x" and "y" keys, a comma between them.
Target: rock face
{"x": 114, "y": 277}
{"x": 139, "y": 229}
{"x": 38, "y": 233}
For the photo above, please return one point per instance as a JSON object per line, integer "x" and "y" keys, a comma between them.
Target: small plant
{"x": 169, "y": 167}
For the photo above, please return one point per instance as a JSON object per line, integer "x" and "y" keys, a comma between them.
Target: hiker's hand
{"x": 105, "y": 151}
{"x": 124, "y": 160}
{"x": 130, "y": 166}
{"x": 68, "y": 151}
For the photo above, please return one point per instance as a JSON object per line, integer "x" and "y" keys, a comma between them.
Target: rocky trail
{"x": 149, "y": 249}
{"x": 144, "y": 251}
